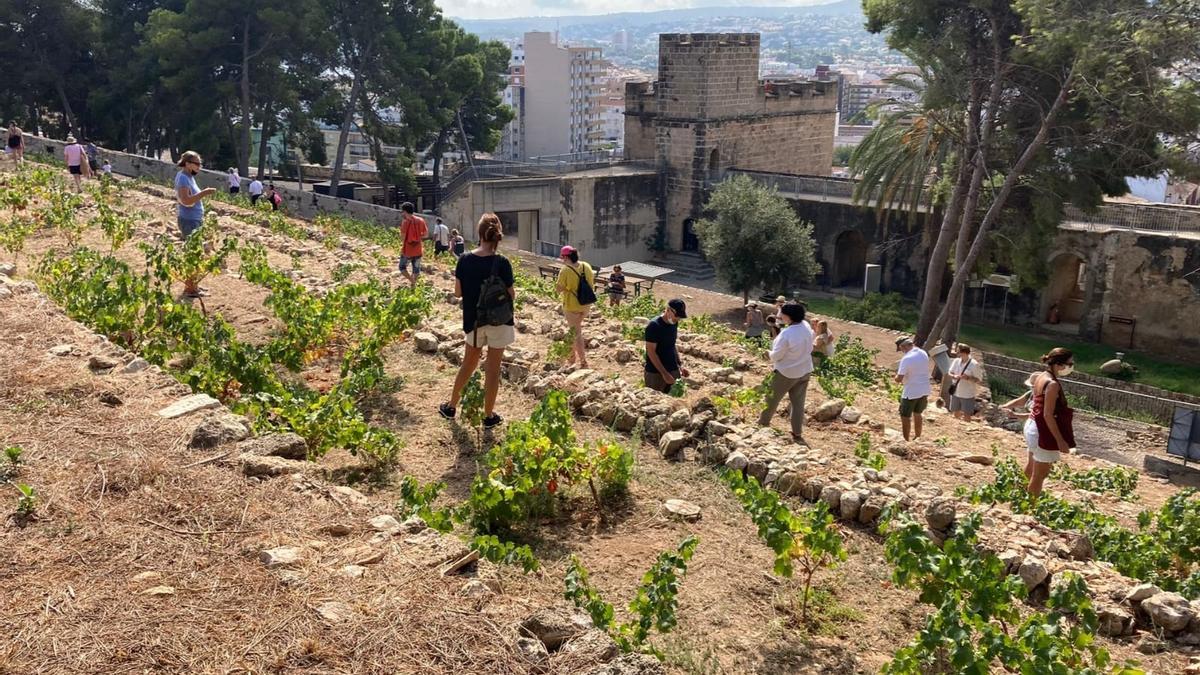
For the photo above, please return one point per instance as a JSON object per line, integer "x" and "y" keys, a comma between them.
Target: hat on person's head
{"x": 781, "y": 298}
{"x": 70, "y": 138}
{"x": 566, "y": 250}
{"x": 678, "y": 307}
{"x": 902, "y": 340}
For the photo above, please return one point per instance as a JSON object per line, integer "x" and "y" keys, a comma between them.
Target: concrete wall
{"x": 607, "y": 216}
{"x": 1154, "y": 279}
{"x": 547, "y": 96}
{"x": 302, "y": 204}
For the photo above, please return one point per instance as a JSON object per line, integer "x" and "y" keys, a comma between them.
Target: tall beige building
{"x": 561, "y": 112}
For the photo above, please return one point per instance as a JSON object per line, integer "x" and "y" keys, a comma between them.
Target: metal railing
{"x": 1154, "y": 218}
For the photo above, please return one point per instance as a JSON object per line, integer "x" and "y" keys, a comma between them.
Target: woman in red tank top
{"x": 1053, "y": 417}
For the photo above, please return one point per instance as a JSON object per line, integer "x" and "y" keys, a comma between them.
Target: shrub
{"x": 886, "y": 310}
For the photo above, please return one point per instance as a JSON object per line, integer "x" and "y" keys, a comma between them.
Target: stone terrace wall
{"x": 302, "y": 204}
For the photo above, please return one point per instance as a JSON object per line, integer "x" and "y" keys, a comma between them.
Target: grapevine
{"x": 810, "y": 539}
{"x": 654, "y": 606}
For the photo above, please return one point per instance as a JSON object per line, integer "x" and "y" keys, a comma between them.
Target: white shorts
{"x": 1031, "y": 442}
{"x": 492, "y": 337}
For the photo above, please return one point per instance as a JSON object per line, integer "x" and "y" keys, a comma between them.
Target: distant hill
{"x": 503, "y": 27}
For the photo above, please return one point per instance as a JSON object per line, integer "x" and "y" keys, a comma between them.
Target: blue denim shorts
{"x": 189, "y": 225}
{"x": 415, "y": 263}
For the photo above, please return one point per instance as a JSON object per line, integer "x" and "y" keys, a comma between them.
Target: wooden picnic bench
{"x": 601, "y": 281}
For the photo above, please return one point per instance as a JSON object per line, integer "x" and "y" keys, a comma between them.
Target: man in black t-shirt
{"x": 662, "y": 360}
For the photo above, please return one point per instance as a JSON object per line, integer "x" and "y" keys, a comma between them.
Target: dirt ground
{"x": 127, "y": 507}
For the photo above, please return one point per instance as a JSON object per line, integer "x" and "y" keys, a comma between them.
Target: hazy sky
{"x": 502, "y": 9}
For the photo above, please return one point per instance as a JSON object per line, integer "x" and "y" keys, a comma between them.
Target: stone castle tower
{"x": 709, "y": 112}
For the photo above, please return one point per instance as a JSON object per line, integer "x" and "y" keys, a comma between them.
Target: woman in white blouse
{"x": 791, "y": 355}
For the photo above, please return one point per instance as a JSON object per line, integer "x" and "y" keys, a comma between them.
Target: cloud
{"x": 504, "y": 9}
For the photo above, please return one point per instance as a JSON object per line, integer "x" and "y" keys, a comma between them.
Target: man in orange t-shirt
{"x": 413, "y": 231}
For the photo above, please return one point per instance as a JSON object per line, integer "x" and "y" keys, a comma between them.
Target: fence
{"x": 1160, "y": 218}
{"x": 1102, "y": 394}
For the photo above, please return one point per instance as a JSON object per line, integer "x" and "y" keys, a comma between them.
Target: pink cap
{"x": 566, "y": 250}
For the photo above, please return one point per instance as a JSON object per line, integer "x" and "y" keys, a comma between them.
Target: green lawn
{"x": 1021, "y": 343}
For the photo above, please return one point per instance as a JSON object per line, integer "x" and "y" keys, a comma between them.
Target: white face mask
{"x": 1065, "y": 371}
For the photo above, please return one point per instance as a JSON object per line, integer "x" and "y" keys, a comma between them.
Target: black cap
{"x": 678, "y": 307}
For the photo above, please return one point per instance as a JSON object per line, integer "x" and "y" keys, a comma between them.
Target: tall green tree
{"x": 48, "y": 63}
{"x": 232, "y": 53}
{"x": 754, "y": 238}
{"x": 379, "y": 50}
{"x": 1047, "y": 100}
{"x": 460, "y": 104}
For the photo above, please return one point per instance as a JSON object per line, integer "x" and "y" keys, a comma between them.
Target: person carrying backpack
{"x": 576, "y": 284}
{"x": 484, "y": 280}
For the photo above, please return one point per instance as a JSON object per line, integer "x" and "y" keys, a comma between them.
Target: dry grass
{"x": 123, "y": 496}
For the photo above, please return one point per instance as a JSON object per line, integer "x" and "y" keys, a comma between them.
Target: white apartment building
{"x": 512, "y": 137}
{"x": 560, "y": 101}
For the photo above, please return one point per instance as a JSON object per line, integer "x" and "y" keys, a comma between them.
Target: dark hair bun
{"x": 1045, "y": 358}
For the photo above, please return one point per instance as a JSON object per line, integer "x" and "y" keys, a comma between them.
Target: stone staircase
{"x": 691, "y": 269}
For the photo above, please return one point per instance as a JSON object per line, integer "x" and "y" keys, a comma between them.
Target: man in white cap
{"x": 913, "y": 373}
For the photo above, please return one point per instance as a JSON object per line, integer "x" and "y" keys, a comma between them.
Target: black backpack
{"x": 495, "y": 305}
{"x": 584, "y": 294}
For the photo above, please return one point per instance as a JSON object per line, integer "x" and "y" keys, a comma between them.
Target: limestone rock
{"x": 682, "y": 509}
{"x": 475, "y": 588}
{"x": 679, "y": 419}
{"x": 940, "y": 513}
{"x": 352, "y": 571}
{"x": 8, "y": 269}
{"x": 625, "y": 355}
{"x": 1080, "y": 547}
{"x": 62, "y": 350}
{"x": 832, "y": 495}
{"x": 1033, "y": 572}
{"x": 553, "y": 626}
{"x": 99, "y": 363}
{"x": 1169, "y": 611}
{"x": 736, "y": 461}
{"x": 1114, "y": 620}
{"x": 630, "y": 664}
{"x": 135, "y": 366}
{"x": 829, "y": 410}
{"x": 386, "y": 524}
{"x": 849, "y": 505}
{"x": 532, "y": 650}
{"x": 258, "y": 465}
{"x": 851, "y": 415}
{"x": 1141, "y": 592}
{"x": 789, "y": 483}
{"x": 287, "y": 445}
{"x": 282, "y": 556}
{"x": 671, "y": 443}
{"x": 426, "y": 342}
{"x": 594, "y": 646}
{"x": 219, "y": 429}
{"x": 189, "y": 405}
{"x": 159, "y": 591}
{"x": 982, "y": 460}
{"x": 335, "y": 612}
{"x": 871, "y": 508}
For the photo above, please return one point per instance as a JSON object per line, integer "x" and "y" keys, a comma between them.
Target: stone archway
{"x": 1065, "y": 293}
{"x": 849, "y": 260}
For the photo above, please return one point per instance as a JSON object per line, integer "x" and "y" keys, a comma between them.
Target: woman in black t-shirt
{"x": 472, "y": 271}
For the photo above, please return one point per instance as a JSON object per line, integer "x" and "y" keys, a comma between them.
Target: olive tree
{"x": 754, "y": 239}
